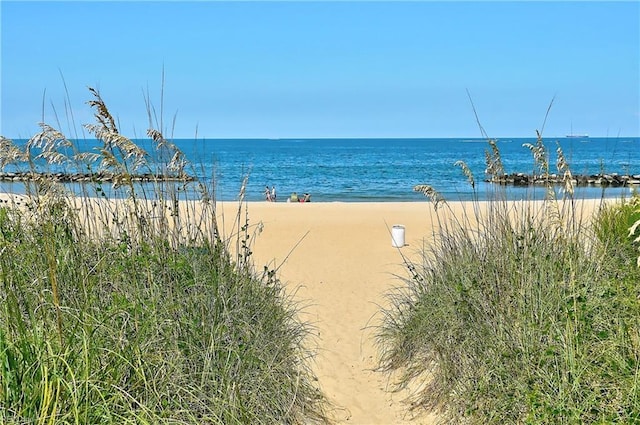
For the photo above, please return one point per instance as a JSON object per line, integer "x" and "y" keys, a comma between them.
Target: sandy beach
{"x": 339, "y": 261}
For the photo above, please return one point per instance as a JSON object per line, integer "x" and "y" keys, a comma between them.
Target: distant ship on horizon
{"x": 579, "y": 136}
{"x": 576, "y": 136}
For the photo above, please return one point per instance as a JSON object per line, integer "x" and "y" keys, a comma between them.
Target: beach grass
{"x": 521, "y": 312}
{"x": 138, "y": 309}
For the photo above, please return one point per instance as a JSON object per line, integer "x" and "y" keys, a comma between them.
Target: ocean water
{"x": 386, "y": 170}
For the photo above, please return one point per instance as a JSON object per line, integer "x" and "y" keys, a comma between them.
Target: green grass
{"x": 134, "y": 311}
{"x": 521, "y": 314}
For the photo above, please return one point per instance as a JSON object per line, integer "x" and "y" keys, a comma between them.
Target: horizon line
{"x": 565, "y": 136}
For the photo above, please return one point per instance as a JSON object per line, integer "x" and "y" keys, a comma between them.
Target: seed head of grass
{"x": 10, "y": 153}
{"x": 467, "y": 172}
{"x": 102, "y": 114}
{"x": 565, "y": 170}
{"x": 493, "y": 161}
{"x": 540, "y": 156}
{"x": 434, "y": 196}
{"x": 178, "y": 162}
{"x": 48, "y": 138}
{"x": 49, "y": 141}
{"x": 86, "y": 158}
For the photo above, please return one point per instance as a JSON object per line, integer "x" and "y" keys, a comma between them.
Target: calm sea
{"x": 388, "y": 169}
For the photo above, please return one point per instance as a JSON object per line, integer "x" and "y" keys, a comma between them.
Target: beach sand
{"x": 338, "y": 260}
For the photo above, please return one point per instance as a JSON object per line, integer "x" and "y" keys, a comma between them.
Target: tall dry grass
{"x": 132, "y": 306}
{"x": 521, "y": 312}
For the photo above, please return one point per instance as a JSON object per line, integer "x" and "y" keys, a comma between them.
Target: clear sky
{"x": 324, "y": 69}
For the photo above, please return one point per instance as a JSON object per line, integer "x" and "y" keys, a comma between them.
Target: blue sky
{"x": 324, "y": 69}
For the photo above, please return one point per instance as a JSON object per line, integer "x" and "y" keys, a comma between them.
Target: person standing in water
{"x": 267, "y": 194}
{"x": 273, "y": 193}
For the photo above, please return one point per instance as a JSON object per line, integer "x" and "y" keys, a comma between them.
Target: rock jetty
{"x": 523, "y": 179}
{"x": 101, "y": 177}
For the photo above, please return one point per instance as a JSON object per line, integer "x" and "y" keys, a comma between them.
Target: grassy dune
{"x": 522, "y": 312}
{"x": 135, "y": 311}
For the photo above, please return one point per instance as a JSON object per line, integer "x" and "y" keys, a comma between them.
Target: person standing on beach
{"x": 267, "y": 194}
{"x": 273, "y": 193}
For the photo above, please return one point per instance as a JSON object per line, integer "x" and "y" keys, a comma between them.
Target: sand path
{"x": 340, "y": 262}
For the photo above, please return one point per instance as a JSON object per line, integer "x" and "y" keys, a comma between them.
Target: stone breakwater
{"x": 101, "y": 177}
{"x": 523, "y": 179}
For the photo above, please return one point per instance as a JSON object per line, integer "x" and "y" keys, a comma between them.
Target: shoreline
{"x": 508, "y": 192}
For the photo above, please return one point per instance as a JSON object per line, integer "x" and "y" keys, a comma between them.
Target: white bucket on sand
{"x": 397, "y": 236}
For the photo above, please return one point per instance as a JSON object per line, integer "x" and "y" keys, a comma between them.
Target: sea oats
{"x": 156, "y": 136}
{"x": 53, "y": 157}
{"x": 467, "y": 172}
{"x": 178, "y": 163}
{"x": 493, "y": 161}
{"x": 49, "y": 140}
{"x": 434, "y": 196}
{"x": 243, "y": 189}
{"x": 539, "y": 156}
{"x": 563, "y": 167}
{"x": 203, "y": 192}
{"x": 102, "y": 114}
{"x": 87, "y": 157}
{"x": 109, "y": 161}
{"x": 495, "y": 154}
{"x": 10, "y": 153}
